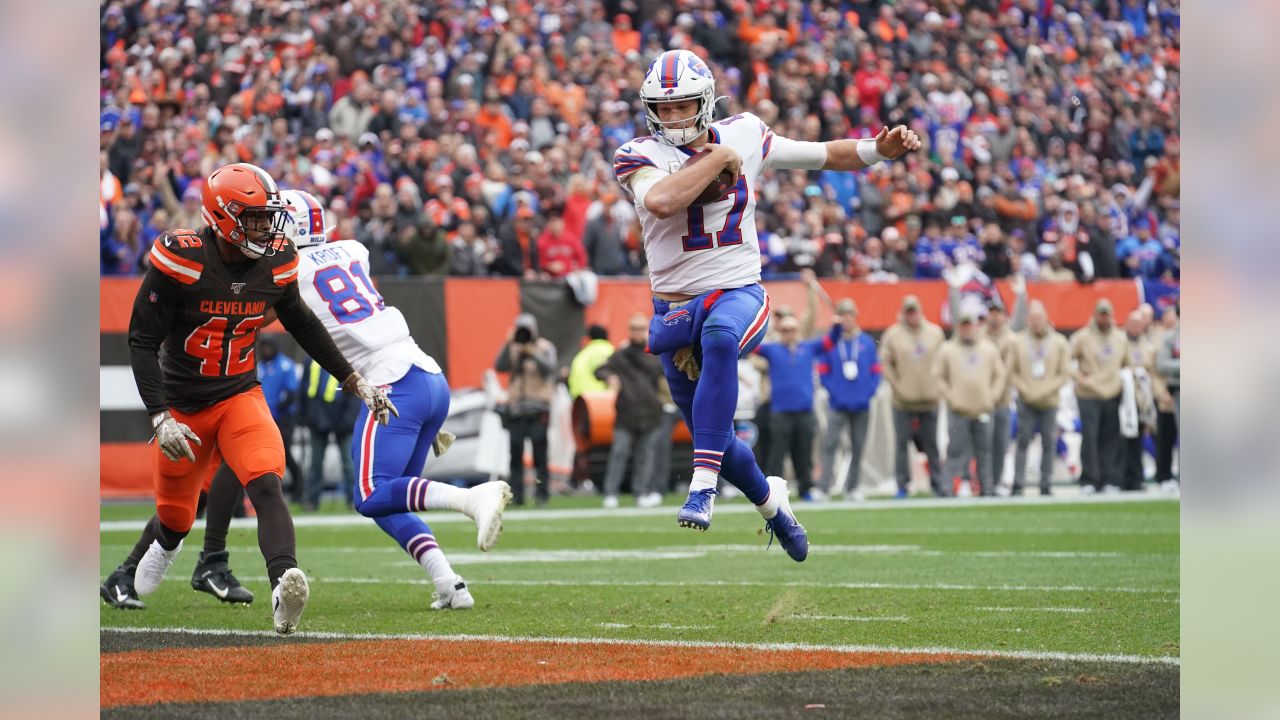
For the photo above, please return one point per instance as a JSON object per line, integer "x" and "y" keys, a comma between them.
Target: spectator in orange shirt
{"x": 492, "y": 118}
{"x": 625, "y": 39}
{"x": 559, "y": 252}
{"x": 888, "y": 27}
{"x": 575, "y": 206}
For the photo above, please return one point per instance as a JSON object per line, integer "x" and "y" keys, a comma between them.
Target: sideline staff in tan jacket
{"x": 1100, "y": 351}
{"x": 908, "y": 351}
{"x": 971, "y": 377}
{"x": 1039, "y": 367}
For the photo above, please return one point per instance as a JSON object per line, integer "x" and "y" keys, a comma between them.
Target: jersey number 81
{"x": 337, "y": 286}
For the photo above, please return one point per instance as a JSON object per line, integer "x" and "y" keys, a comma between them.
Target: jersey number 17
{"x": 699, "y": 239}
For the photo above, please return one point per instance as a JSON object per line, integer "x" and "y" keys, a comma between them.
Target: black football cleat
{"x": 118, "y": 591}
{"x": 212, "y": 575}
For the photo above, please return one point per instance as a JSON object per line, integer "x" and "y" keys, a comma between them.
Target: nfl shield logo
{"x": 153, "y": 296}
{"x": 237, "y": 287}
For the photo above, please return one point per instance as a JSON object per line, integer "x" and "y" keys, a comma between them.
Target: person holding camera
{"x": 531, "y": 361}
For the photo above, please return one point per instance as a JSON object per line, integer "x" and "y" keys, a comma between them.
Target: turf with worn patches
{"x": 339, "y": 668}
{"x": 1066, "y": 577}
{"x": 979, "y": 690}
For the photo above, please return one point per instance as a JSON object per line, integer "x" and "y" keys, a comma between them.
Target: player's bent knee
{"x": 718, "y": 339}
{"x": 179, "y": 518}
{"x": 364, "y": 507}
{"x": 267, "y": 487}
{"x": 264, "y": 461}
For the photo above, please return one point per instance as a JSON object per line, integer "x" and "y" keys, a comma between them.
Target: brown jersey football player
{"x": 191, "y": 344}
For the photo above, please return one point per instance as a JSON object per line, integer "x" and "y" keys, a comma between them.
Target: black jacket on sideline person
{"x": 639, "y": 408}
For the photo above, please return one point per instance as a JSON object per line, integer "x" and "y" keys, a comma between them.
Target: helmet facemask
{"x": 259, "y": 230}
{"x": 669, "y": 131}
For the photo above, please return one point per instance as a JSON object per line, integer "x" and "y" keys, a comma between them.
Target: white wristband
{"x": 867, "y": 152}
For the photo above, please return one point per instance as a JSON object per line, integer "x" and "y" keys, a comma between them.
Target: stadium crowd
{"x": 473, "y": 138}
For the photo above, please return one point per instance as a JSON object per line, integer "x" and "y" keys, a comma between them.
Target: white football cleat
{"x": 152, "y": 567}
{"x": 855, "y": 495}
{"x": 485, "y": 503}
{"x": 610, "y": 502}
{"x": 289, "y": 599}
{"x": 459, "y": 598}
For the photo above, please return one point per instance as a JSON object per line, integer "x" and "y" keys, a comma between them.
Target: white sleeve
{"x": 640, "y": 182}
{"x": 787, "y": 154}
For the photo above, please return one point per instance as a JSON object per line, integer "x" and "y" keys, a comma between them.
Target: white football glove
{"x": 374, "y": 398}
{"x": 172, "y": 437}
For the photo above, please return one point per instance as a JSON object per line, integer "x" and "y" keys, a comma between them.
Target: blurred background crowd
{"x": 476, "y": 138}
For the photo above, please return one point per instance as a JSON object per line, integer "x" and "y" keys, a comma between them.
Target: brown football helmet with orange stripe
{"x": 242, "y": 204}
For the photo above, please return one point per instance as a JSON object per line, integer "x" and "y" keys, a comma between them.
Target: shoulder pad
{"x": 180, "y": 255}
{"x": 629, "y": 159}
{"x": 284, "y": 265}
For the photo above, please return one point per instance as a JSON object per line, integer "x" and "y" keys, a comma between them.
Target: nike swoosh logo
{"x": 120, "y": 596}
{"x": 220, "y": 592}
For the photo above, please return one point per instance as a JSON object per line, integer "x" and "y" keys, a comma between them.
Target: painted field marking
{"x": 852, "y": 618}
{"x": 314, "y": 579}
{"x": 309, "y": 521}
{"x": 1038, "y": 609}
{"x": 1016, "y": 654}
{"x": 692, "y": 552}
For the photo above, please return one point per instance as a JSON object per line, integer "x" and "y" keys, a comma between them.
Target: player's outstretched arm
{"x": 674, "y": 193}
{"x": 860, "y": 154}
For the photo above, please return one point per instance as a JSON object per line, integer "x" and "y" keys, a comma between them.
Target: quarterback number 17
{"x": 699, "y": 239}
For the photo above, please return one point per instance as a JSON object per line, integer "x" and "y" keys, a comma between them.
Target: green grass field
{"x": 1060, "y": 582}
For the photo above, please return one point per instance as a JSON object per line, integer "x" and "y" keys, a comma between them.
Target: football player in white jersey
{"x": 335, "y": 284}
{"x": 704, "y": 264}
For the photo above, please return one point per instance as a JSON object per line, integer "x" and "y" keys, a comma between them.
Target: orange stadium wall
{"x": 464, "y": 321}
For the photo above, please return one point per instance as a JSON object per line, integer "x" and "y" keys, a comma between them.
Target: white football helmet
{"x": 305, "y": 222}
{"x": 678, "y": 75}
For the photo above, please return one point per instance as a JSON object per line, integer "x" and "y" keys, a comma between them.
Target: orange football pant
{"x": 239, "y": 430}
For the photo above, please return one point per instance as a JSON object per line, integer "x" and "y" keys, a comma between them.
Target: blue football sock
{"x": 410, "y": 532}
{"x": 714, "y": 402}
{"x": 715, "y": 399}
{"x": 741, "y": 470}
{"x": 391, "y": 497}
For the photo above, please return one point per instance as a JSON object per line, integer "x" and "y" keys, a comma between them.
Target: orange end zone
{"x": 382, "y": 666}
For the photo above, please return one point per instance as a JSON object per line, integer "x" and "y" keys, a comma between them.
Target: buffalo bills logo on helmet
{"x": 676, "y": 316}
{"x": 699, "y": 68}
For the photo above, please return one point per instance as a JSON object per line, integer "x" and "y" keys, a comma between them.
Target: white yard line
{"x": 852, "y": 618}
{"x": 322, "y": 579}
{"x": 1037, "y": 609}
{"x": 1018, "y": 654}
{"x": 691, "y": 552}
{"x": 307, "y": 521}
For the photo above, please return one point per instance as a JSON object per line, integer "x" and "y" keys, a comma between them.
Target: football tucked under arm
{"x": 719, "y": 185}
